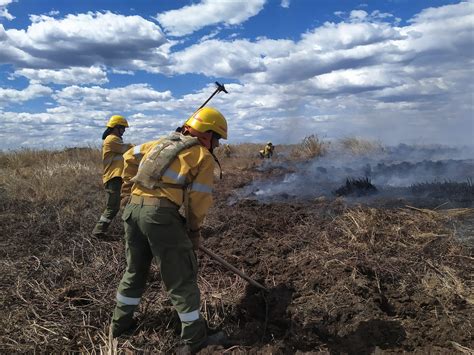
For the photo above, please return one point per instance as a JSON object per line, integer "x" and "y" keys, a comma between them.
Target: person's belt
{"x": 153, "y": 201}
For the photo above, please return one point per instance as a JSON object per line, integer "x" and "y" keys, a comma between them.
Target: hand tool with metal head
{"x": 232, "y": 268}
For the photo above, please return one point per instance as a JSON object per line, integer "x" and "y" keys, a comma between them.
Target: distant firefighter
{"x": 267, "y": 152}
{"x": 227, "y": 150}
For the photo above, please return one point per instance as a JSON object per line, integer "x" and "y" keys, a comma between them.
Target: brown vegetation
{"x": 358, "y": 146}
{"x": 309, "y": 148}
{"x": 341, "y": 279}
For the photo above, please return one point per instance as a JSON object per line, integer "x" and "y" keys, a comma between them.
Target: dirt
{"x": 341, "y": 279}
{"x": 379, "y": 288}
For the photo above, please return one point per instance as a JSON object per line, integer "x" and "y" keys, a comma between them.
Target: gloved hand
{"x": 195, "y": 237}
{"x": 124, "y": 201}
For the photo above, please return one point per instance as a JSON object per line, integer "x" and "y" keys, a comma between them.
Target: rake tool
{"x": 232, "y": 268}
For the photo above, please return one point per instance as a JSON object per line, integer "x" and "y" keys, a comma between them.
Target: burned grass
{"x": 341, "y": 279}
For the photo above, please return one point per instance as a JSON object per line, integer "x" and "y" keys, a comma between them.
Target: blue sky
{"x": 397, "y": 71}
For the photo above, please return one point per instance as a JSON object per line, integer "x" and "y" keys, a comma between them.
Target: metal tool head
{"x": 221, "y": 87}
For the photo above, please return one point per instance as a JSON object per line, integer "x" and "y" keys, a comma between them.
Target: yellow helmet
{"x": 269, "y": 143}
{"x": 208, "y": 119}
{"x": 117, "y": 120}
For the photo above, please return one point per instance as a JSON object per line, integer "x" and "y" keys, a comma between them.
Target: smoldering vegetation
{"x": 342, "y": 277}
{"x": 374, "y": 174}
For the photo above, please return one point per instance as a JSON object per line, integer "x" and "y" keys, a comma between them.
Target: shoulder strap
{"x": 159, "y": 159}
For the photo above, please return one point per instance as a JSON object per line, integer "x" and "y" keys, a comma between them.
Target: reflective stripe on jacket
{"x": 112, "y": 159}
{"x": 193, "y": 167}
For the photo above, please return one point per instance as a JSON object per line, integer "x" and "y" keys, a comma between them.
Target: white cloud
{"x": 358, "y": 15}
{"x": 285, "y": 4}
{"x": 230, "y": 59}
{"x": 3, "y": 9}
{"x": 13, "y": 96}
{"x": 83, "y": 40}
{"x": 353, "y": 80}
{"x": 373, "y": 50}
{"x": 368, "y": 77}
{"x": 123, "y": 72}
{"x": 448, "y": 28}
{"x": 70, "y": 76}
{"x": 128, "y": 98}
{"x": 9, "y": 53}
{"x": 327, "y": 48}
{"x": 208, "y": 12}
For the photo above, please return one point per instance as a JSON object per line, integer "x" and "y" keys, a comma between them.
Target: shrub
{"x": 310, "y": 147}
{"x": 359, "y": 146}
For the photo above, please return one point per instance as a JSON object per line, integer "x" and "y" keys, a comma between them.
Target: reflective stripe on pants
{"x": 159, "y": 232}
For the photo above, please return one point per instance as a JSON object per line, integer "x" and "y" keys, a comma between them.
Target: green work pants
{"x": 159, "y": 232}
{"x": 112, "y": 189}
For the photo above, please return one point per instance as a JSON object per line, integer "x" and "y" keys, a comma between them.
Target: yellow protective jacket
{"x": 192, "y": 168}
{"x": 268, "y": 150}
{"x": 112, "y": 156}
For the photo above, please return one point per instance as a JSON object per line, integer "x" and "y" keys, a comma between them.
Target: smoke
{"x": 396, "y": 172}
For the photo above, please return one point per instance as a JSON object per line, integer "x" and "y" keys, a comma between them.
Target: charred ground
{"x": 341, "y": 279}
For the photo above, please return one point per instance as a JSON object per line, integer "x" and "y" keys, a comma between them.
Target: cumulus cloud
{"x": 129, "y": 98}
{"x": 33, "y": 91}
{"x": 358, "y": 15}
{"x": 208, "y": 12}
{"x": 69, "y": 76}
{"x": 337, "y": 57}
{"x": 4, "y": 11}
{"x": 230, "y": 59}
{"x": 9, "y": 53}
{"x": 84, "y": 40}
{"x": 322, "y": 50}
{"x": 365, "y": 75}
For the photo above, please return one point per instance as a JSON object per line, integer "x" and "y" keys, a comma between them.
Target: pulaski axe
{"x": 219, "y": 88}
{"x": 232, "y": 268}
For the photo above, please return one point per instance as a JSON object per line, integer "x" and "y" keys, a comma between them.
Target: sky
{"x": 394, "y": 71}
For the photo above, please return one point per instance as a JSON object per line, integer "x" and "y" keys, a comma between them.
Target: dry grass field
{"x": 342, "y": 278}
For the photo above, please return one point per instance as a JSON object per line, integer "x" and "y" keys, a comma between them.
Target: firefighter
{"x": 160, "y": 176}
{"x": 112, "y": 160}
{"x": 267, "y": 151}
{"x": 227, "y": 151}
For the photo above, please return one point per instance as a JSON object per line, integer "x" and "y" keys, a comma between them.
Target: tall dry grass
{"x": 359, "y": 146}
{"x": 31, "y": 175}
{"x": 59, "y": 282}
{"x": 310, "y": 147}
{"x": 242, "y": 156}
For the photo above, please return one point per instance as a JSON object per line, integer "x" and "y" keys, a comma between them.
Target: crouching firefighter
{"x": 267, "y": 151}
{"x": 159, "y": 176}
{"x": 112, "y": 160}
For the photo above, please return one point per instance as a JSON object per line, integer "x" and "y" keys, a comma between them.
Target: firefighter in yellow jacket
{"x": 112, "y": 160}
{"x": 227, "y": 151}
{"x": 160, "y": 176}
{"x": 267, "y": 151}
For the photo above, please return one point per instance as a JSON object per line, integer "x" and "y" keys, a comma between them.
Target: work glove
{"x": 195, "y": 237}
{"x": 124, "y": 199}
